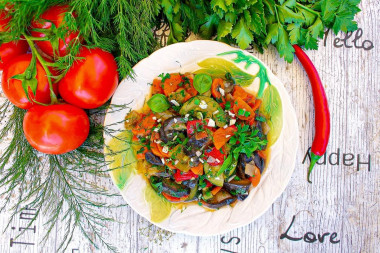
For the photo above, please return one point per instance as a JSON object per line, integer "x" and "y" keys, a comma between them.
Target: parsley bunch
{"x": 247, "y": 141}
{"x": 259, "y": 23}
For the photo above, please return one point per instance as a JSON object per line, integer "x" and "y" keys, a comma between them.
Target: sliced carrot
{"x": 216, "y": 190}
{"x": 157, "y": 149}
{"x": 139, "y": 131}
{"x": 157, "y": 87}
{"x": 198, "y": 170}
{"x": 201, "y": 135}
{"x": 262, "y": 154}
{"x": 239, "y": 92}
{"x": 241, "y": 104}
{"x": 144, "y": 127}
{"x": 141, "y": 155}
{"x": 135, "y": 138}
{"x": 171, "y": 84}
{"x": 255, "y": 180}
{"x": 223, "y": 135}
{"x": 192, "y": 91}
{"x": 148, "y": 121}
{"x": 217, "y": 84}
{"x": 174, "y": 199}
{"x": 257, "y": 104}
{"x": 171, "y": 165}
{"x": 154, "y": 148}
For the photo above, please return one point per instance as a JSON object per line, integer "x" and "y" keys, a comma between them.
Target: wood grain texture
{"x": 341, "y": 199}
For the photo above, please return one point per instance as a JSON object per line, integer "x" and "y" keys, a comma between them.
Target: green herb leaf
{"x": 158, "y": 103}
{"x": 202, "y": 83}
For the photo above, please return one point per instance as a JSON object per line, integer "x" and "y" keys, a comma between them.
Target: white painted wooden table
{"x": 343, "y": 198}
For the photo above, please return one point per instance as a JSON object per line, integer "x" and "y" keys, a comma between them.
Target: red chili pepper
{"x": 183, "y": 176}
{"x": 322, "y": 113}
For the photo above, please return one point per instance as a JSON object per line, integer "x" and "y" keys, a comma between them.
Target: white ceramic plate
{"x": 196, "y": 220}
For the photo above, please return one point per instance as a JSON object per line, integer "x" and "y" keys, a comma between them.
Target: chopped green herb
{"x": 261, "y": 119}
{"x": 164, "y": 76}
{"x": 228, "y": 105}
{"x": 247, "y": 114}
{"x": 197, "y": 102}
{"x": 241, "y": 112}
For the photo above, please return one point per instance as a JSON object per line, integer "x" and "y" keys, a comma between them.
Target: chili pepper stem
{"x": 313, "y": 160}
{"x": 53, "y": 97}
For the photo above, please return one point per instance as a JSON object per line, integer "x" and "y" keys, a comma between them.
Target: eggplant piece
{"x": 242, "y": 162}
{"x": 190, "y": 183}
{"x": 193, "y": 191}
{"x": 170, "y": 127}
{"x": 173, "y": 189}
{"x": 228, "y": 86}
{"x": 238, "y": 188}
{"x": 194, "y": 145}
{"x": 222, "y": 198}
{"x": 175, "y": 123}
{"x": 153, "y": 159}
{"x": 194, "y": 161}
{"x": 259, "y": 162}
{"x": 163, "y": 174}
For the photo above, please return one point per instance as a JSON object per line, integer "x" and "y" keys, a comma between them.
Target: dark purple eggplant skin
{"x": 153, "y": 159}
{"x": 222, "y": 198}
{"x": 173, "y": 189}
{"x": 190, "y": 183}
{"x": 240, "y": 168}
{"x": 259, "y": 162}
{"x": 193, "y": 145}
{"x": 174, "y": 123}
{"x": 170, "y": 127}
{"x": 241, "y": 186}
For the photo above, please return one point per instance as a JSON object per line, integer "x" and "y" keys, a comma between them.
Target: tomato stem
{"x": 44, "y": 64}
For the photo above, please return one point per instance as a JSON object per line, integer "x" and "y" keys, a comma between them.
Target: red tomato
{"x": 56, "y": 129}
{"x": 10, "y": 50}
{"x": 90, "y": 82}
{"x": 4, "y": 20}
{"x": 54, "y": 15}
{"x": 13, "y": 89}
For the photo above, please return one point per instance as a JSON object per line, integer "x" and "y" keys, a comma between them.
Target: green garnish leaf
{"x": 202, "y": 83}
{"x": 158, "y": 103}
{"x": 241, "y": 112}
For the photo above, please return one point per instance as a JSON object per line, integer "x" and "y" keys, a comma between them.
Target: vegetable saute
{"x": 200, "y": 139}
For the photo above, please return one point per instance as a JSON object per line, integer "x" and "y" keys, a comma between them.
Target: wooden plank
{"x": 341, "y": 199}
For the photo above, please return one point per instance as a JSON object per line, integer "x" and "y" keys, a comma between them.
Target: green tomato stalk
{"x": 45, "y": 65}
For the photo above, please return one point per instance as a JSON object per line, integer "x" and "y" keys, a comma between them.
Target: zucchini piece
{"x": 194, "y": 103}
{"x": 211, "y": 174}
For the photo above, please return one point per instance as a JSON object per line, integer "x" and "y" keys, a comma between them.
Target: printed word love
{"x": 310, "y": 237}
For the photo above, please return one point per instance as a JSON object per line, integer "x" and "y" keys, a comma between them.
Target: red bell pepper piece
{"x": 179, "y": 177}
{"x": 192, "y": 126}
{"x": 217, "y": 156}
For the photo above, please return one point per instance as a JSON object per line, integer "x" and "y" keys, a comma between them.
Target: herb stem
{"x": 308, "y": 9}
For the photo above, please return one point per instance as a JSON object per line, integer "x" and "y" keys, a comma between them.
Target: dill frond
{"x": 60, "y": 187}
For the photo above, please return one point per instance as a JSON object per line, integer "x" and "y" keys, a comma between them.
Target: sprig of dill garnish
{"x": 57, "y": 186}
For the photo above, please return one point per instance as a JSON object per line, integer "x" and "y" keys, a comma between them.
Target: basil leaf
{"x": 202, "y": 83}
{"x": 158, "y": 103}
